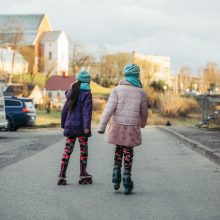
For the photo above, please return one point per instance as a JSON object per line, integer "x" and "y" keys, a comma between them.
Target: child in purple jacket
{"x": 76, "y": 121}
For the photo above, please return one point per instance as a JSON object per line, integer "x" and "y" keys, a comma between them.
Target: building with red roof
{"x": 56, "y": 87}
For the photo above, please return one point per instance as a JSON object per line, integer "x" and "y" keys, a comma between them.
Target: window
{"x": 12, "y": 103}
{"x": 29, "y": 104}
{"x": 50, "y": 55}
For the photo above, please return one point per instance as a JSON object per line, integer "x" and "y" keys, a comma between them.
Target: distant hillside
{"x": 97, "y": 89}
{"x": 40, "y": 81}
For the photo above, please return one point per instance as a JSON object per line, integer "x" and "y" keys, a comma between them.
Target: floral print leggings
{"x": 128, "y": 153}
{"x": 68, "y": 149}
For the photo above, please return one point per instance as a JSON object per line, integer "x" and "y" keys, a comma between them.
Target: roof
{"x": 59, "y": 82}
{"x": 19, "y": 89}
{"x": 49, "y": 36}
{"x": 27, "y": 24}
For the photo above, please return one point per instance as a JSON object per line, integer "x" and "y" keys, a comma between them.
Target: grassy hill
{"x": 40, "y": 81}
{"x": 99, "y": 90}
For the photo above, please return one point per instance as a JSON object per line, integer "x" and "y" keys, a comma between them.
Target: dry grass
{"x": 53, "y": 119}
{"x": 171, "y": 105}
{"x": 158, "y": 119}
{"x": 98, "y": 104}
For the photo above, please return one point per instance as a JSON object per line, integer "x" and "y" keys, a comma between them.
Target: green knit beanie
{"x": 83, "y": 76}
{"x": 131, "y": 70}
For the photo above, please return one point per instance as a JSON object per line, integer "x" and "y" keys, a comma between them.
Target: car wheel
{"x": 10, "y": 126}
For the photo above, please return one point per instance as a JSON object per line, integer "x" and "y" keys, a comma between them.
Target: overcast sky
{"x": 186, "y": 30}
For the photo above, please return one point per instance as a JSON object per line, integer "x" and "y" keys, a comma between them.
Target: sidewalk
{"x": 204, "y": 141}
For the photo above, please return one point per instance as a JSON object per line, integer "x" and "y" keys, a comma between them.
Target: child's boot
{"x": 61, "y": 181}
{"x": 127, "y": 182}
{"x": 116, "y": 177}
{"x": 85, "y": 178}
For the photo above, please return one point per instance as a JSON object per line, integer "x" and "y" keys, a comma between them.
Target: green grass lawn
{"x": 52, "y": 118}
{"x": 39, "y": 79}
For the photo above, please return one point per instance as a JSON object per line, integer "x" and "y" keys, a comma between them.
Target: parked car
{"x": 20, "y": 112}
{"x": 3, "y": 121}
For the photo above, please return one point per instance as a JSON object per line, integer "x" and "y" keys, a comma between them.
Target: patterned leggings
{"x": 70, "y": 143}
{"x": 128, "y": 153}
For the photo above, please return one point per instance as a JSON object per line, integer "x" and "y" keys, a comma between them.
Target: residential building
{"x": 56, "y": 87}
{"x": 55, "y": 52}
{"x": 27, "y": 90}
{"x": 12, "y": 62}
{"x": 33, "y": 36}
{"x": 154, "y": 67}
{"x": 27, "y": 31}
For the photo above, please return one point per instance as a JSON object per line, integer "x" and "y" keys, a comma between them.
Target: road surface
{"x": 172, "y": 182}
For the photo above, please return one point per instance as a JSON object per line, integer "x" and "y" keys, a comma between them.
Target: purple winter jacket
{"x": 79, "y": 119}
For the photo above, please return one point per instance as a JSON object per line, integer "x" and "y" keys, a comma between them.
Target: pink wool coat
{"x": 127, "y": 108}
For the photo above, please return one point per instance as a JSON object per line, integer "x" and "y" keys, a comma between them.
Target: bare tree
{"x": 210, "y": 77}
{"x": 111, "y": 67}
{"x": 148, "y": 71}
{"x": 80, "y": 58}
{"x": 184, "y": 79}
{"x": 28, "y": 55}
{"x": 51, "y": 68}
{"x": 11, "y": 36}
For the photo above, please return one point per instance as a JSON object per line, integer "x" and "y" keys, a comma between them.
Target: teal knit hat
{"x": 131, "y": 70}
{"x": 83, "y": 76}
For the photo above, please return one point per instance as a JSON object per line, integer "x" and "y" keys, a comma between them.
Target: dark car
{"x": 20, "y": 112}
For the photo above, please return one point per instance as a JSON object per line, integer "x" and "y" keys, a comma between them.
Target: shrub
{"x": 172, "y": 105}
{"x": 98, "y": 104}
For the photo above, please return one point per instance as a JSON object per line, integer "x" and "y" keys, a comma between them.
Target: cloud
{"x": 187, "y": 31}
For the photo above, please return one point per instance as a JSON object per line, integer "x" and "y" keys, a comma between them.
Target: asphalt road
{"x": 16, "y": 146}
{"x": 171, "y": 181}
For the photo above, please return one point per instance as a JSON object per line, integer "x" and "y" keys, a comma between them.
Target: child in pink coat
{"x": 127, "y": 108}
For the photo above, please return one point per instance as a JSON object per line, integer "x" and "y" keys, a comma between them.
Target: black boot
{"x": 62, "y": 181}
{"x": 116, "y": 177}
{"x": 127, "y": 182}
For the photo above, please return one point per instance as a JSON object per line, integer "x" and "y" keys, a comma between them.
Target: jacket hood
{"x": 124, "y": 82}
{"x": 68, "y": 92}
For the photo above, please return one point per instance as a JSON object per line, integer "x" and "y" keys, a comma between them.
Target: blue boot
{"x": 127, "y": 182}
{"x": 116, "y": 177}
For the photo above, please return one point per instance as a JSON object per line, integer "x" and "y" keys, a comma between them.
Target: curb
{"x": 194, "y": 145}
